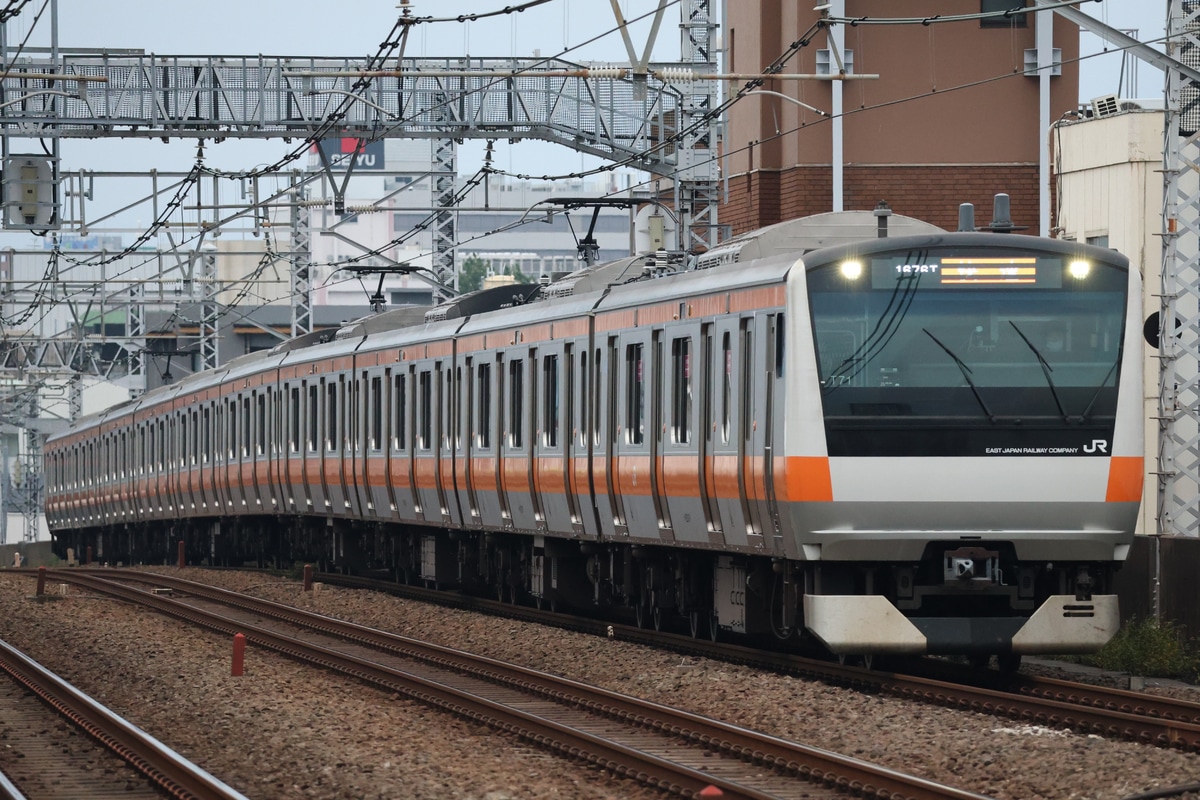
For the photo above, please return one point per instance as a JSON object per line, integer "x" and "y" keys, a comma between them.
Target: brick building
{"x": 954, "y": 115}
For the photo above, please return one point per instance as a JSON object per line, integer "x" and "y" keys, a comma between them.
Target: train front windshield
{"x": 980, "y": 351}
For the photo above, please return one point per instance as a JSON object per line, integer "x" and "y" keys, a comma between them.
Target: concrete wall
{"x": 33, "y": 554}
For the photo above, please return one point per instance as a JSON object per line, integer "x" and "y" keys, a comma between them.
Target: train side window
{"x": 154, "y": 451}
{"x": 294, "y": 420}
{"x": 246, "y": 433}
{"x": 747, "y": 379}
{"x": 206, "y": 433}
{"x": 348, "y": 423}
{"x": 583, "y": 416}
{"x": 726, "y": 386}
{"x": 376, "y": 403}
{"x": 261, "y": 421}
{"x": 485, "y": 405}
{"x": 635, "y": 395}
{"x": 313, "y": 419}
{"x": 425, "y": 410}
{"x": 779, "y": 341}
{"x": 355, "y": 424}
{"x": 516, "y": 395}
{"x": 400, "y": 408}
{"x": 331, "y": 416}
{"x": 550, "y": 401}
{"x": 454, "y": 382}
{"x": 681, "y": 389}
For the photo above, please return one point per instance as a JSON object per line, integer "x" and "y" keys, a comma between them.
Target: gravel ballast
{"x": 285, "y": 730}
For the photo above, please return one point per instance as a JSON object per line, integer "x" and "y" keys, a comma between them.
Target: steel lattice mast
{"x": 1179, "y": 385}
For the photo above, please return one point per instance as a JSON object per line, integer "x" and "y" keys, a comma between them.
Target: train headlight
{"x": 852, "y": 270}
{"x": 1079, "y": 269}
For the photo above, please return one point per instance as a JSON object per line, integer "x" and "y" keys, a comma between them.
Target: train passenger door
{"x": 682, "y": 457}
{"x": 608, "y": 386}
{"x": 517, "y": 448}
{"x": 587, "y": 508}
{"x": 551, "y": 495}
{"x": 449, "y": 441}
{"x": 750, "y": 454}
{"x": 658, "y": 435}
{"x": 634, "y": 465}
{"x": 725, "y": 467}
{"x": 400, "y": 479}
{"x": 484, "y": 475}
{"x": 709, "y": 378}
{"x": 466, "y": 447}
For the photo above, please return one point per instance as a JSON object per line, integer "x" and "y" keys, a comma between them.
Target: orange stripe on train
{"x": 1124, "y": 479}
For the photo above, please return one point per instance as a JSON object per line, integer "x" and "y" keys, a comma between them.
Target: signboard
{"x": 341, "y": 151}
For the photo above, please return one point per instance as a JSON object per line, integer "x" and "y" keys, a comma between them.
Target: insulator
{"x": 606, "y": 72}
{"x": 675, "y": 75}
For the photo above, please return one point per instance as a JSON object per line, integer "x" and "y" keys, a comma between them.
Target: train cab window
{"x": 516, "y": 398}
{"x": 635, "y": 395}
{"x": 376, "y": 403}
{"x": 484, "y": 392}
{"x": 550, "y": 401}
{"x": 681, "y": 390}
{"x": 425, "y": 410}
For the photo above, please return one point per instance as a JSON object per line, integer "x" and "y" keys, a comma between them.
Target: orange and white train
{"x": 929, "y": 442}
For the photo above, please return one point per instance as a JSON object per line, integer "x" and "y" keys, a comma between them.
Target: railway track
{"x": 669, "y": 749}
{"x": 1085, "y": 708}
{"x": 46, "y": 725}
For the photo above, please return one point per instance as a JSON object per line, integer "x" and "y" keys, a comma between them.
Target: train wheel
{"x": 656, "y": 617}
{"x": 980, "y": 661}
{"x": 639, "y": 614}
{"x": 694, "y": 624}
{"x": 713, "y": 628}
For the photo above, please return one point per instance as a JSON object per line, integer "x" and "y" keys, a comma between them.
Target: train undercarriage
{"x": 976, "y": 601}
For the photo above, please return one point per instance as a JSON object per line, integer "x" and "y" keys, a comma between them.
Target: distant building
{"x": 953, "y": 116}
{"x": 1108, "y": 173}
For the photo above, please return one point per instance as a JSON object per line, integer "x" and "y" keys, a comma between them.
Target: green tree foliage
{"x": 471, "y": 274}
{"x": 520, "y": 277}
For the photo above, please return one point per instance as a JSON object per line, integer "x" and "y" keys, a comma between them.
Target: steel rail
{"x": 177, "y": 776}
{"x": 813, "y": 764}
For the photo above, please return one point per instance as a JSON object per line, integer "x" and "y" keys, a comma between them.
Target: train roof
{"x": 807, "y": 234}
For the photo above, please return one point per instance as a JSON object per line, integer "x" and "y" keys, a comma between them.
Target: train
{"x": 879, "y": 438}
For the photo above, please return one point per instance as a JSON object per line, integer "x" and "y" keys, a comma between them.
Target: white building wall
{"x": 1110, "y": 184}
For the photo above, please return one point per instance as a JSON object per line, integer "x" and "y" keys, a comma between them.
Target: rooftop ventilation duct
{"x": 1105, "y": 105}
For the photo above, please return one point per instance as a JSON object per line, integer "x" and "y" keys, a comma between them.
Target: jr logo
{"x": 1097, "y": 446}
